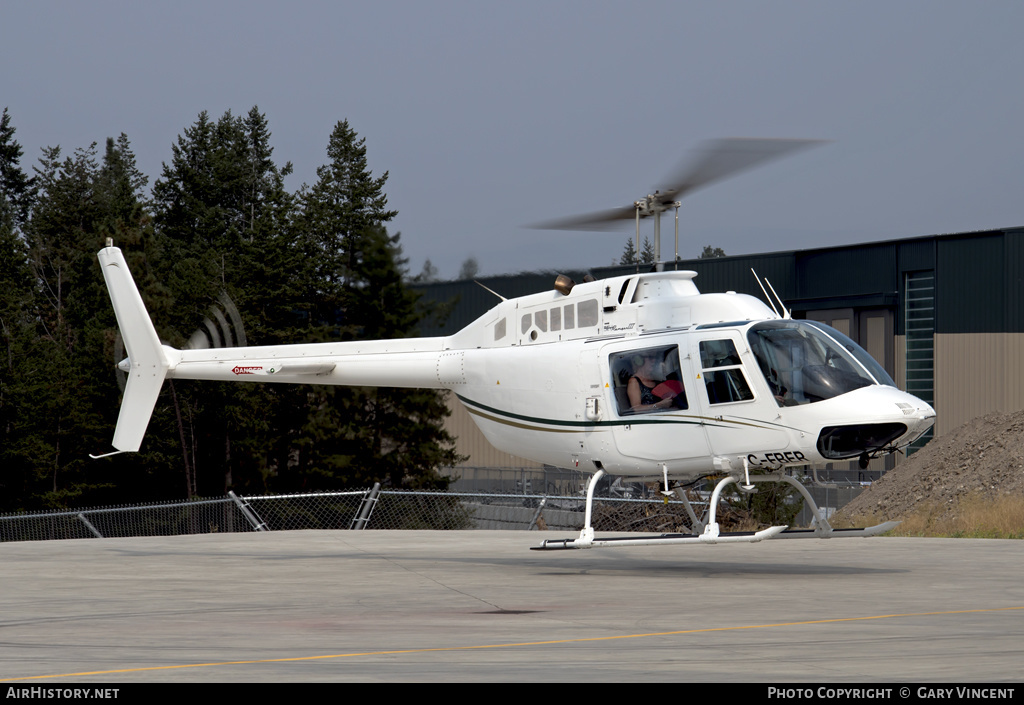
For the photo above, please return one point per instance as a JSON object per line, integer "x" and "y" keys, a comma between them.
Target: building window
{"x": 919, "y": 318}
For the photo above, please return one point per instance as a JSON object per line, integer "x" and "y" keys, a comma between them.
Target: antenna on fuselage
{"x": 766, "y": 297}
{"x": 785, "y": 312}
{"x": 491, "y": 290}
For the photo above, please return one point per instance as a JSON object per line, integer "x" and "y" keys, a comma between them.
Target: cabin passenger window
{"x": 588, "y": 313}
{"x": 541, "y": 319}
{"x": 527, "y": 322}
{"x": 570, "y": 317}
{"x": 723, "y": 373}
{"x": 647, "y": 380}
{"x": 622, "y": 291}
{"x": 499, "y": 329}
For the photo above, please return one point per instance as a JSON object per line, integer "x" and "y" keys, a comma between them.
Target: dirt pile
{"x": 983, "y": 458}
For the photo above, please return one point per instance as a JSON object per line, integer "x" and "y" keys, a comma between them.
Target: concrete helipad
{"x": 467, "y": 606}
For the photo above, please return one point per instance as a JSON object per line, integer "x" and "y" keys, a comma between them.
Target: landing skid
{"x": 738, "y": 537}
{"x": 708, "y": 533}
{"x": 775, "y": 532}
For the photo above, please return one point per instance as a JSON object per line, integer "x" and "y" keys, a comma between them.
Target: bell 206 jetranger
{"x": 639, "y": 375}
{"x": 733, "y": 385}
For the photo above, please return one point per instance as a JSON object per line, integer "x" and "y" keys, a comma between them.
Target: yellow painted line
{"x": 513, "y": 644}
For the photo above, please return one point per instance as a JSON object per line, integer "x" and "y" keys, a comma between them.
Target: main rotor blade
{"x": 721, "y": 158}
{"x": 716, "y": 160}
{"x": 601, "y": 220}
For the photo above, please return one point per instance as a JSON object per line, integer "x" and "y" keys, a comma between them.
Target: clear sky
{"x": 493, "y": 115}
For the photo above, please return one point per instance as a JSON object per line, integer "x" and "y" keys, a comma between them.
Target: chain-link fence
{"x": 369, "y": 509}
{"x": 535, "y": 499}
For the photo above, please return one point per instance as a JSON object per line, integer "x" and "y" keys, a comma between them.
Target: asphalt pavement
{"x": 333, "y": 606}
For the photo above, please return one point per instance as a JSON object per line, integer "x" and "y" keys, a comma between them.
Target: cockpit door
{"x": 740, "y": 418}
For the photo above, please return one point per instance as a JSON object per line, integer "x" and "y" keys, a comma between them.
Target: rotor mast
{"x": 654, "y": 205}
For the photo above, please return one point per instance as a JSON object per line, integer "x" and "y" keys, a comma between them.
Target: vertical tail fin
{"x": 148, "y": 362}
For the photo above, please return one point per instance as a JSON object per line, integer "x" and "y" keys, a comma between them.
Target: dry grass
{"x": 975, "y": 517}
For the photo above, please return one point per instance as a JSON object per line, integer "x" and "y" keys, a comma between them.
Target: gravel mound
{"x": 983, "y": 458}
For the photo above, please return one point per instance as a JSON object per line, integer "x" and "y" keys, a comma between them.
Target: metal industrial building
{"x": 944, "y": 314}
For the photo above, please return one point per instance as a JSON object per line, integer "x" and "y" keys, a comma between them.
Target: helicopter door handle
{"x": 593, "y": 408}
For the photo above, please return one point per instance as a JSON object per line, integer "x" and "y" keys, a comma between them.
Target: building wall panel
{"x": 916, "y": 255}
{"x": 866, "y": 269}
{"x": 1013, "y": 307}
{"x": 720, "y": 274}
{"x": 977, "y": 374}
{"x": 969, "y": 284}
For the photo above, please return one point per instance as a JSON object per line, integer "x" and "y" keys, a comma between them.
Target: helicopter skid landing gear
{"x": 821, "y": 528}
{"x": 709, "y": 532}
{"x": 587, "y": 539}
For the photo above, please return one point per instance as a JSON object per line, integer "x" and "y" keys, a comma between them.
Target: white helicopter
{"x": 641, "y": 376}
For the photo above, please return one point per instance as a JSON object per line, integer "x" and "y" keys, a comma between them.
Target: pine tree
{"x": 647, "y": 252}
{"x": 355, "y": 436}
{"x": 628, "y": 253}
{"x": 16, "y": 341}
{"x": 16, "y": 188}
{"x": 340, "y": 209}
{"x": 17, "y": 330}
{"x": 428, "y": 274}
{"x": 224, "y": 223}
{"x": 59, "y": 402}
{"x": 73, "y": 410}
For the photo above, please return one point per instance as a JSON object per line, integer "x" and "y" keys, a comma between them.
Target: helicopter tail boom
{"x": 408, "y": 362}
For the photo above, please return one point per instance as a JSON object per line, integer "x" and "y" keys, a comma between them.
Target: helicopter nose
{"x": 887, "y": 417}
{"x": 851, "y": 440}
{"x": 920, "y": 416}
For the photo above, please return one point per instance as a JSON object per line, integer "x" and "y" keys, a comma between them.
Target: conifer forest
{"x": 216, "y": 225}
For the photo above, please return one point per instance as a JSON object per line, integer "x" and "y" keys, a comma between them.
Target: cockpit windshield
{"x": 802, "y": 364}
{"x": 876, "y": 370}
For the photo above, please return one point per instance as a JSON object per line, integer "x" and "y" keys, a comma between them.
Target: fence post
{"x": 365, "y": 509}
{"x": 248, "y": 512}
{"x": 536, "y": 514}
{"x": 89, "y": 526}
